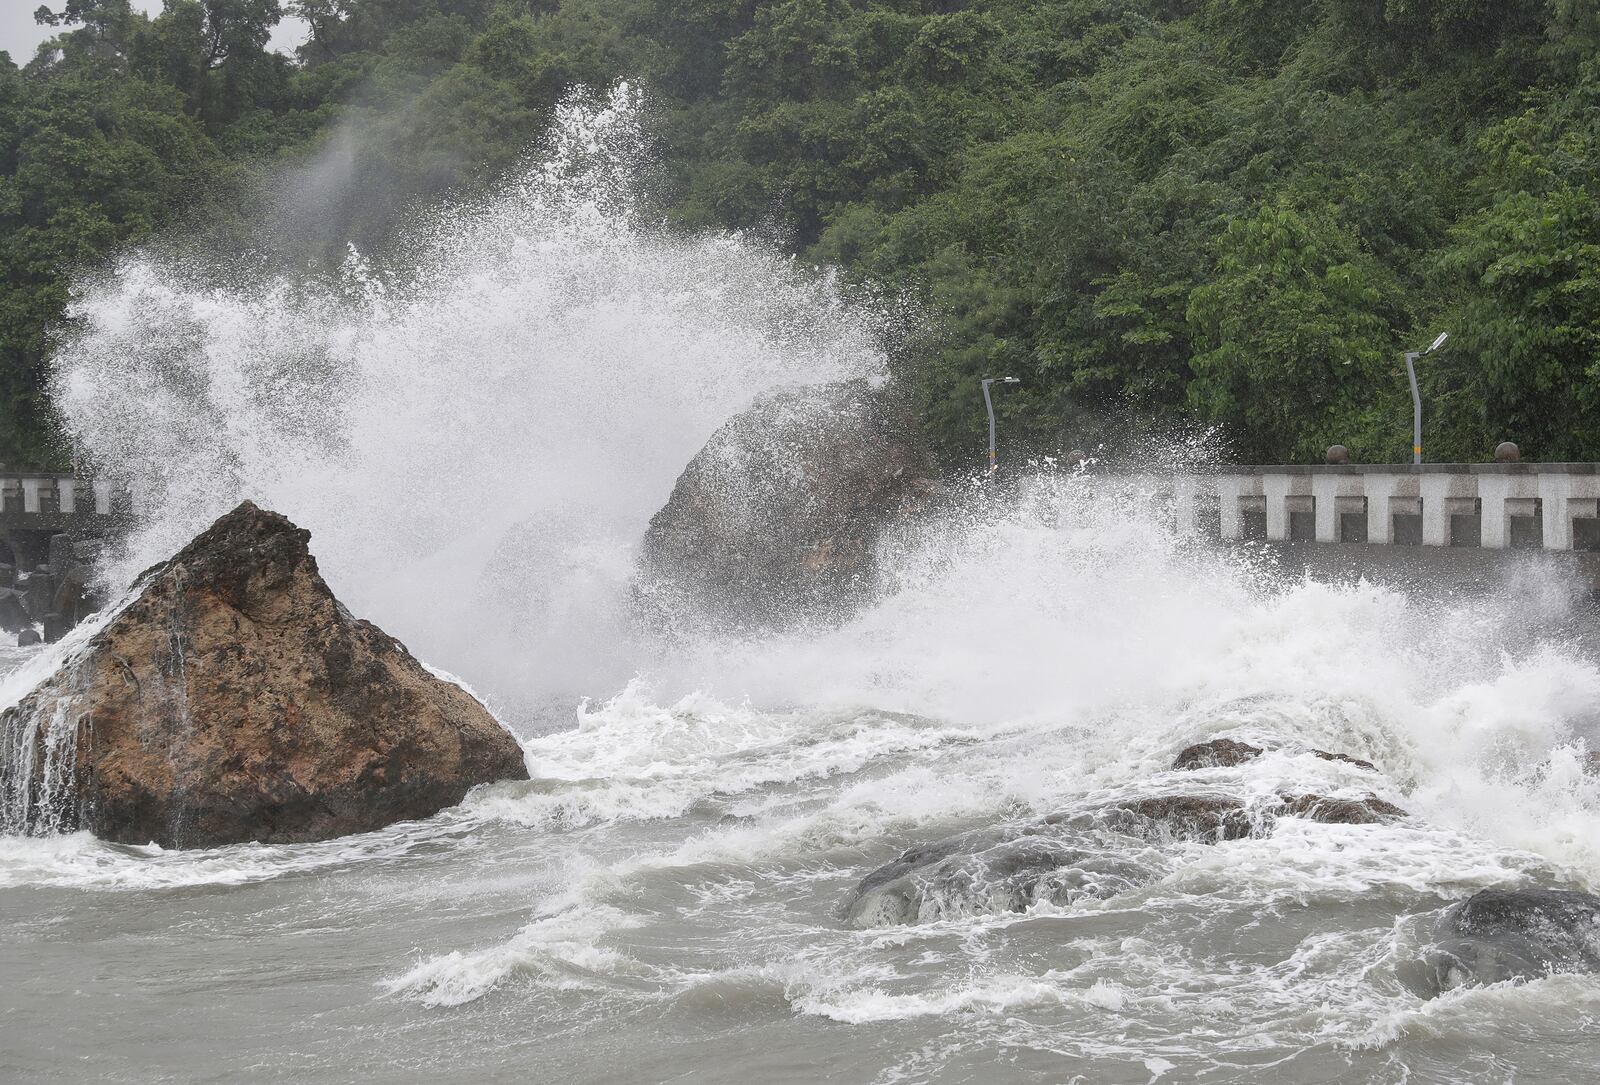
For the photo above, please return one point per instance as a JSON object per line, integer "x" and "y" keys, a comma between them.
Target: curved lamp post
{"x": 1416, "y": 398}
{"x": 988, "y": 404}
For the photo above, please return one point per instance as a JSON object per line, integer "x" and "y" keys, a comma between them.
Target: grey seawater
{"x": 665, "y": 899}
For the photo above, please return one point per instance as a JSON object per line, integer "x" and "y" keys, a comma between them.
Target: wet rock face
{"x": 777, "y": 517}
{"x": 1228, "y": 753}
{"x": 1185, "y": 817}
{"x": 991, "y": 872}
{"x": 1369, "y": 810}
{"x": 1509, "y": 934}
{"x": 236, "y": 699}
{"x": 1218, "y": 753}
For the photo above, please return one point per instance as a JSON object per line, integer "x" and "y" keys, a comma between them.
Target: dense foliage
{"x": 1231, "y": 212}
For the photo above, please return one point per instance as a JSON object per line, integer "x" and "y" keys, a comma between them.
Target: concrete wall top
{"x": 14, "y": 473}
{"x": 1404, "y": 469}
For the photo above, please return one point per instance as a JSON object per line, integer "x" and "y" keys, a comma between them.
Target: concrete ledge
{"x": 1460, "y": 569}
{"x": 1402, "y": 469}
{"x": 1493, "y": 506}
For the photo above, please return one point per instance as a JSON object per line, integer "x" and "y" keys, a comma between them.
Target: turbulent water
{"x": 477, "y": 446}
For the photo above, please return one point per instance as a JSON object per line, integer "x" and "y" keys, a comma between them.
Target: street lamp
{"x": 988, "y": 404}
{"x": 1416, "y": 397}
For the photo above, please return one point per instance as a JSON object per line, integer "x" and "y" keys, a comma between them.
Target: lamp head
{"x": 1439, "y": 342}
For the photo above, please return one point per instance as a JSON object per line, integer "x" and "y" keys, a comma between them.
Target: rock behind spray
{"x": 235, "y": 699}
{"x": 776, "y": 519}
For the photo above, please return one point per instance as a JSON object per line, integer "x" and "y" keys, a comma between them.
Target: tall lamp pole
{"x": 988, "y": 404}
{"x": 1416, "y": 397}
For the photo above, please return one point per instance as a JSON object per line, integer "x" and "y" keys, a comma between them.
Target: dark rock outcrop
{"x": 1218, "y": 753}
{"x": 1509, "y": 934}
{"x": 235, "y": 699}
{"x": 38, "y": 591}
{"x": 74, "y": 599}
{"x": 776, "y": 519}
{"x": 55, "y": 627}
{"x": 1369, "y": 810}
{"x": 14, "y": 616}
{"x": 1347, "y": 759}
{"x": 1228, "y": 753}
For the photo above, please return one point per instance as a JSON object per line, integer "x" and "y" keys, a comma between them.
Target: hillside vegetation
{"x": 1231, "y": 213}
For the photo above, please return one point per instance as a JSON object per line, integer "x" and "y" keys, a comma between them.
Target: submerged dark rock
{"x": 1509, "y": 934}
{"x": 236, "y": 699}
{"x": 1369, "y": 810}
{"x": 777, "y": 518}
{"x": 1347, "y": 759}
{"x": 994, "y": 871}
{"x": 1084, "y": 854}
{"x": 1228, "y": 753}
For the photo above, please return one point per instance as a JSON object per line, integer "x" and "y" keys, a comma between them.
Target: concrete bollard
{"x": 1507, "y": 452}
{"x": 1338, "y": 454}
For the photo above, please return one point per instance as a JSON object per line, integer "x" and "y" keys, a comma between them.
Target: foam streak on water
{"x": 477, "y": 432}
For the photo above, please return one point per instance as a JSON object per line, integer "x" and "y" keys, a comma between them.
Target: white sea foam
{"x": 559, "y": 950}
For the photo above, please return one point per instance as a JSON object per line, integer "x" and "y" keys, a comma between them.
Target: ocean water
{"x": 476, "y": 434}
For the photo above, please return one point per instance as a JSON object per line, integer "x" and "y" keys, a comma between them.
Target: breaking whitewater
{"x": 677, "y": 894}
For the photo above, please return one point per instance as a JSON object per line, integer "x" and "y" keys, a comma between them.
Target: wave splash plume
{"x": 475, "y": 428}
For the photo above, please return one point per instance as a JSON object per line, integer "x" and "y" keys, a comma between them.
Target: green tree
{"x": 1293, "y": 333}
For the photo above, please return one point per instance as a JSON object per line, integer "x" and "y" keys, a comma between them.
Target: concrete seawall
{"x": 1498, "y": 506}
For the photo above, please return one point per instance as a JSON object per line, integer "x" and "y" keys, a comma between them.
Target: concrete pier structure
{"x": 36, "y": 505}
{"x": 1551, "y": 506}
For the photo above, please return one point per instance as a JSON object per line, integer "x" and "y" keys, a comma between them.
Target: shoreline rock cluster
{"x": 235, "y": 699}
{"x": 44, "y": 603}
{"x": 1097, "y": 853}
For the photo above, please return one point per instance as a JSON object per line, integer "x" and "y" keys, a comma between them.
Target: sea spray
{"x": 475, "y": 428}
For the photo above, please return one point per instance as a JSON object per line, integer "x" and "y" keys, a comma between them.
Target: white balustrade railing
{"x": 1557, "y": 505}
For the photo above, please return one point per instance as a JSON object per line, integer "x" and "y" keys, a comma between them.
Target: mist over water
{"x": 477, "y": 435}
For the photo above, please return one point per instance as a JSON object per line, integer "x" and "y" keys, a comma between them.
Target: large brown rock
{"x": 236, "y": 699}
{"x": 777, "y": 518}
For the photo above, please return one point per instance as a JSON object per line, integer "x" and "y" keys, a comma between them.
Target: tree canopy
{"x": 1236, "y": 213}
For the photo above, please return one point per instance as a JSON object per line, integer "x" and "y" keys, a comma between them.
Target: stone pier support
{"x": 1185, "y": 505}
{"x": 1325, "y": 493}
{"x": 1276, "y": 489}
{"x": 1380, "y": 489}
